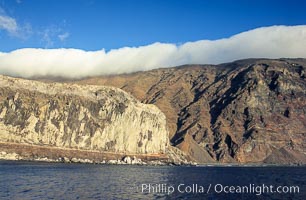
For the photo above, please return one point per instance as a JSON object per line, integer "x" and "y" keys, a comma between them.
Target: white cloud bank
{"x": 266, "y": 42}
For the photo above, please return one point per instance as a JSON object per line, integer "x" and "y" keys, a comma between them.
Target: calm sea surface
{"x": 32, "y": 180}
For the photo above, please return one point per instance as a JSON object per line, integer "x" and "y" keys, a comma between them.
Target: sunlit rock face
{"x": 79, "y": 117}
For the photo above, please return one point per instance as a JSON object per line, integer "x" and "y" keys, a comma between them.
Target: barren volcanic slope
{"x": 246, "y": 111}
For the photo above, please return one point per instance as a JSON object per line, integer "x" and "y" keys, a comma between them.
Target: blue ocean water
{"x": 37, "y": 180}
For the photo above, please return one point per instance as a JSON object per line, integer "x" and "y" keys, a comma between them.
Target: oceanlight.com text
{"x": 256, "y": 189}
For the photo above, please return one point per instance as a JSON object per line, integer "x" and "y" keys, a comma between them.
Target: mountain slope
{"x": 243, "y": 111}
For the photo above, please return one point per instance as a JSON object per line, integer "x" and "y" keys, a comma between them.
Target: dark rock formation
{"x": 244, "y": 111}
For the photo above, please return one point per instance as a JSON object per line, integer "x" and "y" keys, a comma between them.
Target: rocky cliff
{"x": 67, "y": 116}
{"x": 246, "y": 111}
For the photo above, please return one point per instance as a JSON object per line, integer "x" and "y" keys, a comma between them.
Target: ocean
{"x": 39, "y": 180}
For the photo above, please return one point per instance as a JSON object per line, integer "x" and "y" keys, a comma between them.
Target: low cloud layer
{"x": 266, "y": 42}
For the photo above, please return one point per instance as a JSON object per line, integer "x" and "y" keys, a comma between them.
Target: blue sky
{"x": 110, "y": 24}
{"x": 79, "y": 38}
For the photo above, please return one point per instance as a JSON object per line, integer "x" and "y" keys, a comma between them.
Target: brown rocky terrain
{"x": 247, "y": 111}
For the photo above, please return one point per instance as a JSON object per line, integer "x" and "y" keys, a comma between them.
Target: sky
{"x": 41, "y": 37}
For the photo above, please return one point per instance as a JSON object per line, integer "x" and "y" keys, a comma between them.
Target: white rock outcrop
{"x": 79, "y": 117}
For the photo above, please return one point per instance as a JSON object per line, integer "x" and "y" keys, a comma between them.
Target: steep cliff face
{"x": 246, "y": 111}
{"x": 79, "y": 117}
{"x": 249, "y": 112}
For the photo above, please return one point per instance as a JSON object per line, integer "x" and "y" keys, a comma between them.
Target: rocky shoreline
{"x": 26, "y": 152}
{"x": 126, "y": 160}
{"x": 173, "y": 156}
